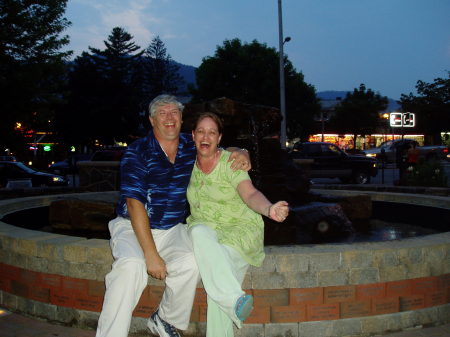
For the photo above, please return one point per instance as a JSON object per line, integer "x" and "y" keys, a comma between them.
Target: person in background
{"x": 226, "y": 227}
{"x": 413, "y": 155}
{"x": 147, "y": 236}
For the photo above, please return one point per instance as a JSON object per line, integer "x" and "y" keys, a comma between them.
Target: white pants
{"x": 128, "y": 278}
{"x": 222, "y": 270}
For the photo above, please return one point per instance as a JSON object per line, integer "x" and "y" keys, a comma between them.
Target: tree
{"x": 358, "y": 112}
{"x": 431, "y": 106}
{"x": 161, "y": 74}
{"x": 31, "y": 64}
{"x": 249, "y": 73}
{"x": 106, "y": 90}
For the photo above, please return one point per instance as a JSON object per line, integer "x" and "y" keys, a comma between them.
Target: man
{"x": 148, "y": 235}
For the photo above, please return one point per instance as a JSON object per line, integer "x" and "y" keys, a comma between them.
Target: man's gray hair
{"x": 163, "y": 100}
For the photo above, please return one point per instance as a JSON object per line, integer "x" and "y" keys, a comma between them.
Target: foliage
{"x": 31, "y": 64}
{"x": 249, "y": 73}
{"x": 161, "y": 74}
{"x": 358, "y": 112}
{"x": 106, "y": 92}
{"x": 426, "y": 173}
{"x": 431, "y": 106}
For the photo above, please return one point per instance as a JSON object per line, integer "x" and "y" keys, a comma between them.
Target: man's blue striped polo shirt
{"x": 148, "y": 176}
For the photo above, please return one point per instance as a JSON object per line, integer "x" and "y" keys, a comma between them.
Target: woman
{"x": 226, "y": 227}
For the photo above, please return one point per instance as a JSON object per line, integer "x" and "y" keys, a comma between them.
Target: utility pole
{"x": 282, "y": 86}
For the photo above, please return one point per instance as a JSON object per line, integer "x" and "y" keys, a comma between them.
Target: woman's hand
{"x": 279, "y": 211}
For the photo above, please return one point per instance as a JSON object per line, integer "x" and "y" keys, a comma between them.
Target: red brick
{"x": 271, "y": 297}
{"x": 288, "y": 314}
{"x": 145, "y": 307}
{"x": 436, "y": 298}
{"x": 355, "y": 309}
{"x": 11, "y": 272}
{"x": 39, "y": 294}
{"x": 368, "y": 291}
{"x": 20, "y": 289}
{"x": 29, "y": 277}
{"x": 424, "y": 285}
{"x": 90, "y": 303}
{"x": 339, "y": 294}
{"x": 388, "y": 305}
{"x": 195, "y": 313}
{"x": 96, "y": 288}
{"x": 5, "y": 285}
{"x": 322, "y": 312}
{"x": 398, "y": 288}
{"x": 75, "y": 285}
{"x": 202, "y": 313}
{"x": 444, "y": 280}
{"x": 259, "y": 315}
{"x": 50, "y": 281}
{"x": 412, "y": 302}
{"x": 61, "y": 298}
{"x": 155, "y": 294}
{"x": 305, "y": 296}
{"x": 448, "y": 295}
{"x": 200, "y": 297}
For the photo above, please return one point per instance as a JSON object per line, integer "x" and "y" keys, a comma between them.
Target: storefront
{"x": 346, "y": 142}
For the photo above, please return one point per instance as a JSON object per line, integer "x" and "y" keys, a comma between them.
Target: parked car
{"x": 68, "y": 165}
{"x": 329, "y": 161}
{"x": 8, "y": 158}
{"x": 108, "y": 154}
{"x": 390, "y": 148}
{"x": 18, "y": 171}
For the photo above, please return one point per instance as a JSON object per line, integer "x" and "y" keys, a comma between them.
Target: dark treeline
{"x": 101, "y": 96}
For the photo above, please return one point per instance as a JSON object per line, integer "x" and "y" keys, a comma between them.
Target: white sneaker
{"x": 160, "y": 327}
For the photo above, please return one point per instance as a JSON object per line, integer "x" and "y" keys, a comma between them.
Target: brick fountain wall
{"x": 300, "y": 291}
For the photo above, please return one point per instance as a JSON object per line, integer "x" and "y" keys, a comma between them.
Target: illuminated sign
{"x": 409, "y": 120}
{"x": 395, "y": 119}
{"x": 402, "y": 120}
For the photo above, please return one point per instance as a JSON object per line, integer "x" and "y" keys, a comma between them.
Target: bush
{"x": 429, "y": 173}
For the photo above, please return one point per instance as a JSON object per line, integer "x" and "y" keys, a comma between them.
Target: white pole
{"x": 282, "y": 88}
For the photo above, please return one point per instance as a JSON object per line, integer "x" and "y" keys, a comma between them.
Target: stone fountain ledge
{"x": 437, "y": 191}
{"x": 328, "y": 290}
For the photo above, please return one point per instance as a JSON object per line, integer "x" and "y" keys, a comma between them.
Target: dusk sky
{"x": 337, "y": 44}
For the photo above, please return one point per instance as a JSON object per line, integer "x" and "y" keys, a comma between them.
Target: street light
{"x": 282, "y": 87}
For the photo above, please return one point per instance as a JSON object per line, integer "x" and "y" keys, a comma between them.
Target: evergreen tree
{"x": 161, "y": 73}
{"x": 31, "y": 64}
{"x": 106, "y": 90}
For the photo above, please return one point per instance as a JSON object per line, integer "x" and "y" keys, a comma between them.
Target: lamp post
{"x": 282, "y": 87}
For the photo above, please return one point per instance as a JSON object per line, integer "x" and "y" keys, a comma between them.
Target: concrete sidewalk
{"x": 14, "y": 325}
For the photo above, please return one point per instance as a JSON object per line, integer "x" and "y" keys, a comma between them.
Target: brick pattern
{"x": 271, "y": 305}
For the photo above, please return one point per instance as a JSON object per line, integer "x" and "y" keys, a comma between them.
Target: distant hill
{"x": 331, "y": 95}
{"x": 187, "y": 73}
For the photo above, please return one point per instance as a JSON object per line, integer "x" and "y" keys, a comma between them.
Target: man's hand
{"x": 240, "y": 159}
{"x": 156, "y": 267}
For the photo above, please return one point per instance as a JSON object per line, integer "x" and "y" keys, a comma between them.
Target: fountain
{"x": 333, "y": 289}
